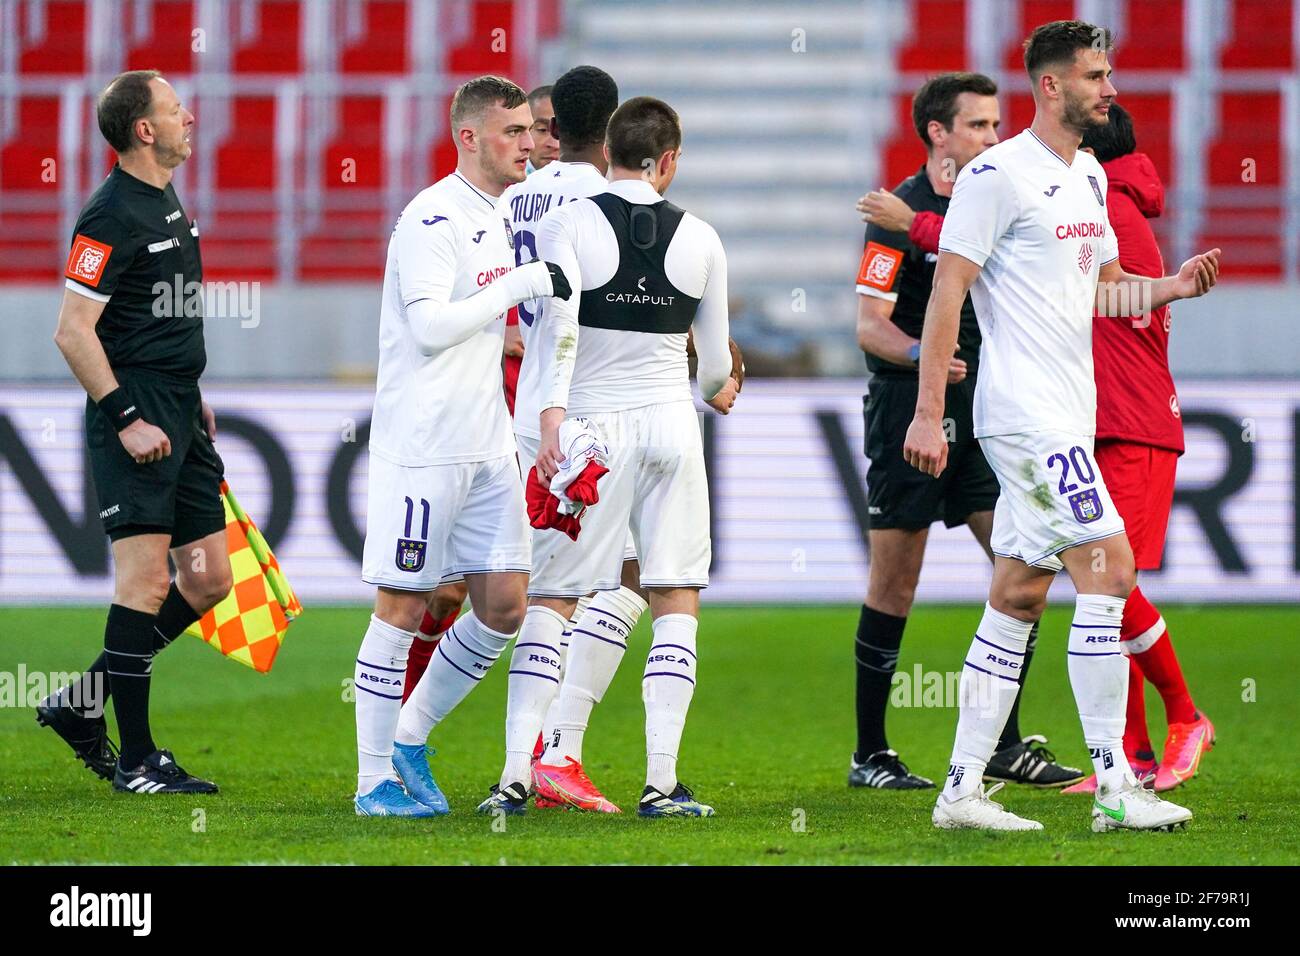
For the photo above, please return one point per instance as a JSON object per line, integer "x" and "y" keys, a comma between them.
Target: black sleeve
{"x": 103, "y": 247}
{"x": 884, "y": 256}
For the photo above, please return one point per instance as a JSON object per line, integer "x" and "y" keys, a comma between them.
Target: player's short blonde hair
{"x": 476, "y": 95}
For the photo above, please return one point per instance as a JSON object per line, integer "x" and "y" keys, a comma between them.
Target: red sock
{"x": 1136, "y": 737}
{"x": 1153, "y": 652}
{"x": 417, "y": 660}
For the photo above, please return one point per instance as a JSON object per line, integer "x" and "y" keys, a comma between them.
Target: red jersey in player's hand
{"x": 1136, "y": 400}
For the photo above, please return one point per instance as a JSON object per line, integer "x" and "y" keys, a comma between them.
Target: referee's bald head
{"x": 125, "y": 101}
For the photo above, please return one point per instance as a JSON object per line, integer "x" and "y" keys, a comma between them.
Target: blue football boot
{"x": 390, "y": 800}
{"x": 680, "y": 803}
{"x": 411, "y": 761}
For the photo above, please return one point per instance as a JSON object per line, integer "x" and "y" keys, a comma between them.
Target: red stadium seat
{"x": 383, "y": 47}
{"x": 277, "y": 46}
{"x": 938, "y": 38}
{"x": 63, "y": 48}
{"x": 169, "y": 45}
{"x": 1152, "y": 39}
{"x": 1034, "y": 13}
{"x": 1261, "y": 37}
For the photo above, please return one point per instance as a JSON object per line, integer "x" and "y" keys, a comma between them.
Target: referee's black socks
{"x": 128, "y": 649}
{"x": 876, "y": 652}
{"x": 90, "y": 693}
{"x": 1011, "y": 732}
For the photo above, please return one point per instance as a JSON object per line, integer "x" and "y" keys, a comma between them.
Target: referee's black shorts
{"x": 179, "y": 495}
{"x": 899, "y": 496}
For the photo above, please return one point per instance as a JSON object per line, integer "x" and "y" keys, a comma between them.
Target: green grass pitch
{"x": 767, "y": 743}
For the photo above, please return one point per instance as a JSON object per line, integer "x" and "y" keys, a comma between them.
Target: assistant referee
{"x": 131, "y": 329}
{"x": 956, "y": 116}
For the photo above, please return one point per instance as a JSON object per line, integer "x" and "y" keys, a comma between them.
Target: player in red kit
{"x": 1139, "y": 439}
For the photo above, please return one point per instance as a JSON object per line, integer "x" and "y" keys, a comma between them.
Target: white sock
{"x": 1099, "y": 678}
{"x": 553, "y": 711}
{"x": 464, "y": 655}
{"x": 534, "y": 679}
{"x": 597, "y": 646}
{"x": 667, "y": 688}
{"x": 989, "y": 684}
{"x": 381, "y": 666}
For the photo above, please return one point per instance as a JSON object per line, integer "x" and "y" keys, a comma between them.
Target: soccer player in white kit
{"x": 644, "y": 274}
{"x": 1027, "y": 234}
{"x": 445, "y": 496}
{"x": 583, "y": 99}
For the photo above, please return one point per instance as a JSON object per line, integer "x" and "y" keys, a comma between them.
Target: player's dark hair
{"x": 539, "y": 94}
{"x": 643, "y": 128}
{"x": 937, "y": 100}
{"x": 583, "y": 99}
{"x": 127, "y": 99}
{"x": 473, "y": 97}
{"x": 1113, "y": 140}
{"x": 1056, "y": 43}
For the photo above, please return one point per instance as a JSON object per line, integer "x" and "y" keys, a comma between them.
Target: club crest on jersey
{"x": 1096, "y": 190}
{"x": 510, "y": 233}
{"x": 1086, "y": 505}
{"x": 411, "y": 550}
{"x": 410, "y": 554}
{"x": 1085, "y": 258}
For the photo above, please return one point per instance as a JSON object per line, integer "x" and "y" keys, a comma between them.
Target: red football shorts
{"x": 1140, "y": 479}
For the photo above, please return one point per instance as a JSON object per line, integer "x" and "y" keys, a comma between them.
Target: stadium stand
{"x": 318, "y": 119}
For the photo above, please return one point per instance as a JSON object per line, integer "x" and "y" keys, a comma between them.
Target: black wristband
{"x": 119, "y": 408}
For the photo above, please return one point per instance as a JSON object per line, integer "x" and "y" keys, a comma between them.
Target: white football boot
{"x": 1133, "y": 807}
{"x": 976, "y": 811}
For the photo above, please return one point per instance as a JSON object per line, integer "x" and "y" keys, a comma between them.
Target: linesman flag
{"x": 250, "y": 622}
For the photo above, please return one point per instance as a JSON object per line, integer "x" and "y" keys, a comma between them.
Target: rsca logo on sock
{"x": 1106, "y": 756}
{"x": 1101, "y": 639}
{"x": 76, "y": 909}
{"x": 956, "y": 773}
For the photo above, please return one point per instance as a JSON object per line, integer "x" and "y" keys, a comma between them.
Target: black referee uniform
{"x": 898, "y": 495}
{"x": 136, "y": 250}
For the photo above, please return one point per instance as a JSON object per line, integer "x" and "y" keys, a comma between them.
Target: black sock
{"x": 879, "y": 636}
{"x": 173, "y": 618}
{"x": 1011, "y": 732}
{"x": 128, "y": 646}
{"x": 89, "y": 694}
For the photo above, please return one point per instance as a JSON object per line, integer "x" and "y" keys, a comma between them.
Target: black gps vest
{"x": 639, "y": 297}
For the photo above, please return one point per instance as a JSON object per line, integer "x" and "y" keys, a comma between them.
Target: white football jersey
{"x": 615, "y": 369}
{"x": 449, "y": 242}
{"x": 525, "y": 204}
{"x": 1038, "y": 227}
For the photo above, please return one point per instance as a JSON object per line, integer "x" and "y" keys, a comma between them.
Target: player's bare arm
{"x": 1196, "y": 277}
{"x": 926, "y": 447}
{"x": 879, "y": 336}
{"x": 84, "y": 353}
{"x": 882, "y": 208}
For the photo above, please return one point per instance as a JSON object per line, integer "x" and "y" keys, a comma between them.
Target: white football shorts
{"x": 1052, "y": 496}
{"x": 432, "y": 523}
{"x": 654, "y": 504}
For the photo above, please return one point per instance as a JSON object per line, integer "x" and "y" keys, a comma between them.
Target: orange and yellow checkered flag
{"x": 250, "y": 623}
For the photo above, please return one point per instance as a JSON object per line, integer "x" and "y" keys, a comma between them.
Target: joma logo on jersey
{"x": 491, "y": 275}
